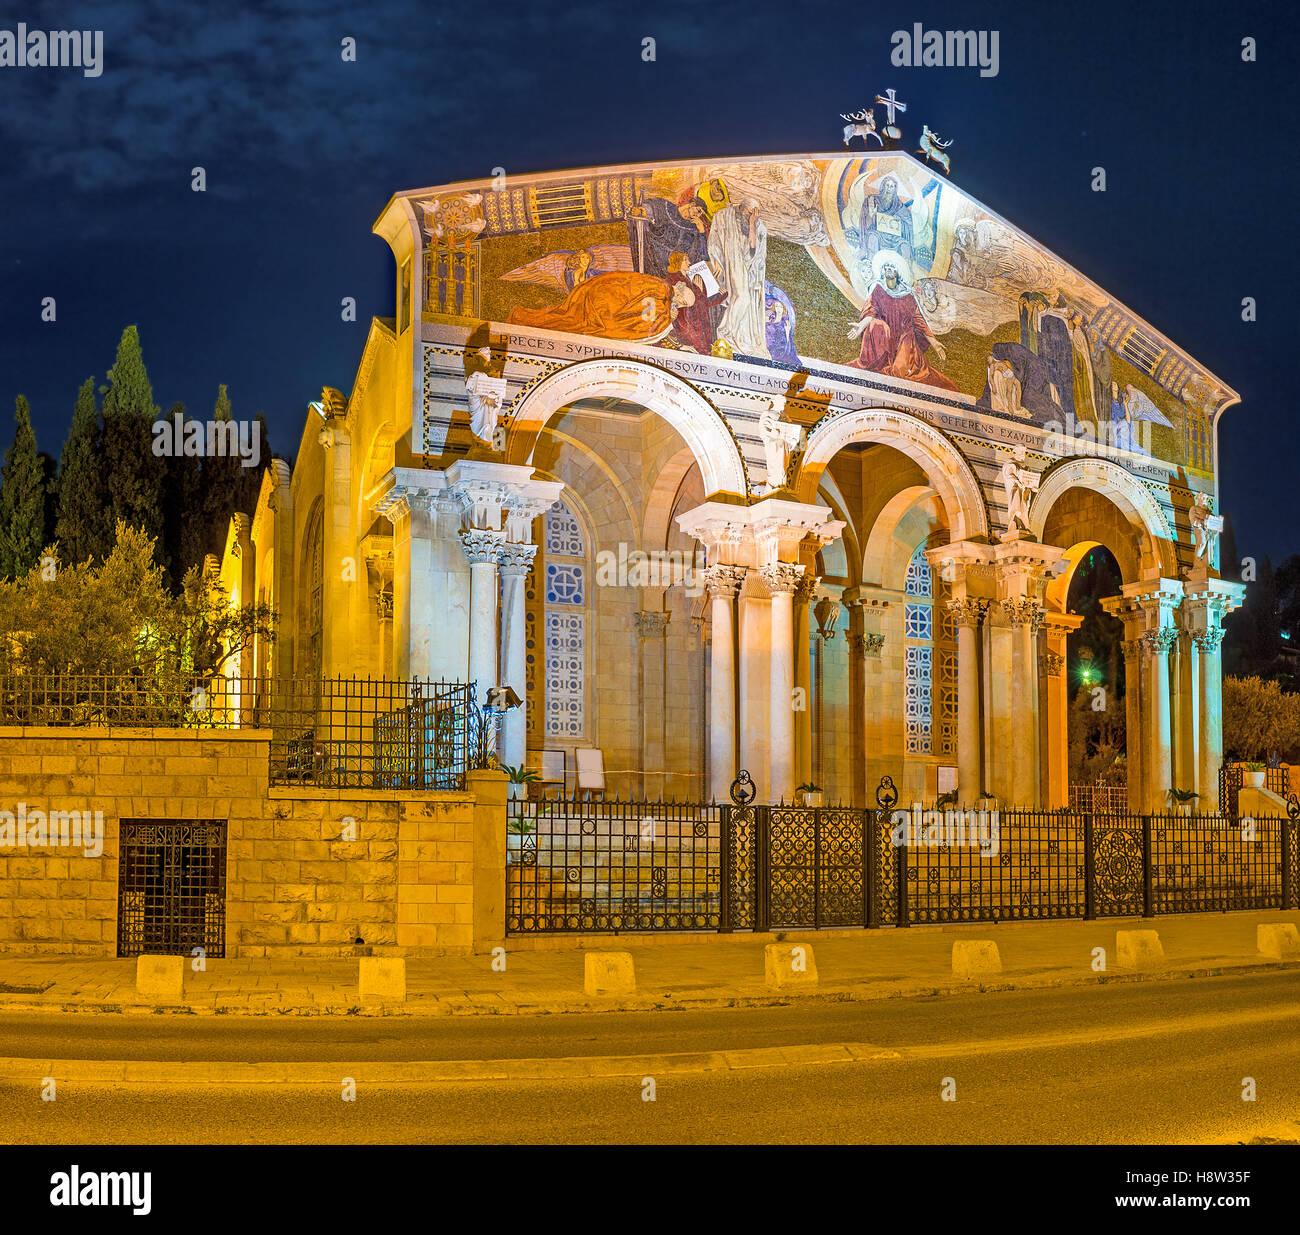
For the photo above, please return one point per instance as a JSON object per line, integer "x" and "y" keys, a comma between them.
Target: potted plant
{"x": 809, "y": 794}
{"x": 1254, "y": 775}
{"x": 516, "y": 829}
{"x": 518, "y": 778}
{"x": 1183, "y": 799}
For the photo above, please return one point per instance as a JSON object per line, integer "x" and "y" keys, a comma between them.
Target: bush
{"x": 1259, "y": 718}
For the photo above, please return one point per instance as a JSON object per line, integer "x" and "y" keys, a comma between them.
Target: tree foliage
{"x": 118, "y": 617}
{"x": 22, "y": 497}
{"x": 1258, "y": 717}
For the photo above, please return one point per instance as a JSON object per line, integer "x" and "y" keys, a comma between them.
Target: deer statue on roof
{"x": 861, "y": 124}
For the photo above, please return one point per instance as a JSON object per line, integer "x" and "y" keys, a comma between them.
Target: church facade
{"x": 783, "y": 464}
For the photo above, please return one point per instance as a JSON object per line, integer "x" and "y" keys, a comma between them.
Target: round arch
{"x": 909, "y": 518}
{"x": 1124, "y": 491}
{"x": 945, "y": 466}
{"x": 697, "y": 421}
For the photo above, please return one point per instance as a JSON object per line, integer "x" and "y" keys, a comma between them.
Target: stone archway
{"x": 1124, "y": 491}
{"x": 945, "y": 466}
{"x": 698, "y": 422}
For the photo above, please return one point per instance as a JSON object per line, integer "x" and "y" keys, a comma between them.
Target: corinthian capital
{"x": 967, "y": 612}
{"x": 781, "y": 576}
{"x": 724, "y": 580}
{"x": 1023, "y": 612}
{"x": 516, "y": 559}
{"x": 1160, "y": 642}
{"x": 482, "y": 545}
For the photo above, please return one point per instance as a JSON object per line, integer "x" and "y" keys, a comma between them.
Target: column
{"x": 782, "y": 578}
{"x": 413, "y": 514}
{"x": 1133, "y": 710}
{"x": 515, "y": 561}
{"x": 999, "y": 656}
{"x": 1025, "y": 617}
{"x": 803, "y": 680}
{"x": 967, "y": 614}
{"x": 337, "y": 544}
{"x": 482, "y": 549}
{"x": 1210, "y": 709}
{"x": 651, "y": 626}
{"x": 857, "y": 644}
{"x": 1159, "y": 742}
{"x": 1054, "y": 700}
{"x": 723, "y": 583}
{"x": 879, "y": 762}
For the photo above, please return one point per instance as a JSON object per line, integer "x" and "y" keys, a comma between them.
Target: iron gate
{"x": 172, "y": 887}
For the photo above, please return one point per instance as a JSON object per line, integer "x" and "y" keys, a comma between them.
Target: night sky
{"x": 242, "y": 284}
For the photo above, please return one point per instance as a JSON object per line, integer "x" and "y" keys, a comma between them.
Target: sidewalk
{"x": 713, "y": 971}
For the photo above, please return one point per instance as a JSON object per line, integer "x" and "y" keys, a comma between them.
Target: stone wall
{"x": 309, "y": 871}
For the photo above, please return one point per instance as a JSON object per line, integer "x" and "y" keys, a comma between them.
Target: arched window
{"x": 930, "y": 663}
{"x": 311, "y": 586}
{"x": 563, "y": 581}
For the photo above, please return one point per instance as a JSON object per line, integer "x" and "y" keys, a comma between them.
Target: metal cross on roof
{"x": 891, "y": 103}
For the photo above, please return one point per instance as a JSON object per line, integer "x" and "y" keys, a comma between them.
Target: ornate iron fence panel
{"x": 739, "y": 851}
{"x": 993, "y": 866}
{"x": 813, "y": 865}
{"x": 1206, "y": 864}
{"x": 1118, "y": 865}
{"x": 172, "y": 887}
{"x": 606, "y": 867}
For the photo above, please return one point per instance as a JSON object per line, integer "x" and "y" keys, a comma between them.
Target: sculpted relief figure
{"x": 1206, "y": 527}
{"x": 486, "y": 396}
{"x": 1019, "y": 483}
{"x": 779, "y": 439}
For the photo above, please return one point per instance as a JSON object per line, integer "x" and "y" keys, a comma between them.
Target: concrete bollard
{"x": 974, "y": 958}
{"x": 1280, "y": 940}
{"x": 1138, "y": 949}
{"x": 608, "y": 973}
{"x": 382, "y": 977}
{"x": 160, "y": 977}
{"x": 789, "y": 964}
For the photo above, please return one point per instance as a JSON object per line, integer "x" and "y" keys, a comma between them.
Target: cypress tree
{"x": 184, "y": 525}
{"x": 220, "y": 484}
{"x": 134, "y": 473}
{"x": 81, "y": 526}
{"x": 22, "y": 498}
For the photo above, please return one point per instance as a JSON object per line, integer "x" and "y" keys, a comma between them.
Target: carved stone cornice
{"x": 967, "y": 611}
{"x": 1051, "y": 664}
{"x": 781, "y": 576}
{"x": 650, "y": 623}
{"x": 516, "y": 560}
{"x": 482, "y": 545}
{"x": 724, "y": 581}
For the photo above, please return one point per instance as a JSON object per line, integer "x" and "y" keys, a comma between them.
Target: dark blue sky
{"x": 242, "y": 284}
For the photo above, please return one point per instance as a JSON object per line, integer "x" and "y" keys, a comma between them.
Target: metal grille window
{"x": 930, "y": 664}
{"x": 565, "y": 625}
{"x": 172, "y": 887}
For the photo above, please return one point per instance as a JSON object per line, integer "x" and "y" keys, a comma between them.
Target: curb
{"x": 838, "y": 993}
{"x": 139, "y": 1072}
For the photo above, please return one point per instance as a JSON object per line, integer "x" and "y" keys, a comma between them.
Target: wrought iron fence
{"x": 613, "y": 866}
{"x": 1099, "y": 799}
{"x": 344, "y": 732}
{"x": 1277, "y": 779}
{"x": 744, "y": 866}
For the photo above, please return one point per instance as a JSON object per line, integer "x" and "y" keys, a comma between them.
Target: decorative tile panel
{"x": 563, "y": 535}
{"x": 566, "y": 660}
{"x": 565, "y": 583}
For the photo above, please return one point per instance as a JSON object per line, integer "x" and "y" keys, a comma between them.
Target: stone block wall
{"x": 309, "y": 871}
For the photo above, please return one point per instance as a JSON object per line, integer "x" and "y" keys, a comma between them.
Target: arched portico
{"x": 944, "y": 465}
{"x": 698, "y": 422}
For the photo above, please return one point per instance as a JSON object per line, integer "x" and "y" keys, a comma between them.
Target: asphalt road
{"x": 1133, "y": 1063}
